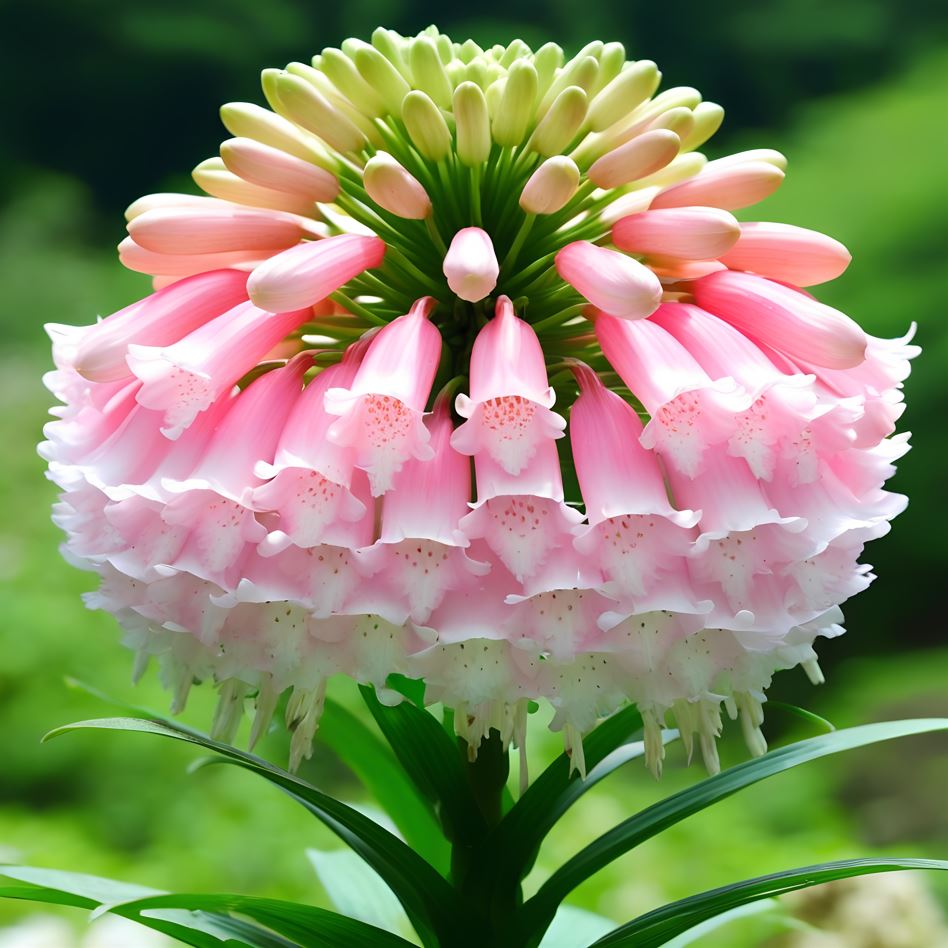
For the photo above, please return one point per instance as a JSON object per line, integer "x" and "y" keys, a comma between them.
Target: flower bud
{"x": 383, "y": 77}
{"x": 309, "y": 272}
{"x": 580, "y": 71}
{"x": 426, "y": 125}
{"x": 471, "y": 266}
{"x": 631, "y": 87}
{"x": 473, "y": 124}
{"x": 392, "y": 45}
{"x": 787, "y": 253}
{"x": 561, "y": 123}
{"x": 213, "y": 177}
{"x": 272, "y": 168}
{"x": 246, "y": 120}
{"x": 516, "y": 108}
{"x": 635, "y": 159}
{"x": 214, "y": 229}
{"x": 393, "y": 188}
{"x": 428, "y": 71}
{"x": 344, "y": 75}
{"x": 769, "y": 156}
{"x": 551, "y": 186}
{"x": 686, "y": 233}
{"x": 302, "y": 103}
{"x": 708, "y": 117}
{"x": 728, "y": 186}
{"x": 611, "y": 281}
{"x": 611, "y": 61}
{"x": 786, "y": 319}
{"x": 679, "y": 120}
{"x": 547, "y": 59}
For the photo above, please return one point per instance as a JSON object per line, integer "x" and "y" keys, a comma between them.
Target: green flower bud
{"x": 473, "y": 124}
{"x": 342, "y": 72}
{"x": 246, "y": 120}
{"x": 551, "y": 186}
{"x": 517, "y": 105}
{"x": 302, "y": 103}
{"x": 383, "y": 77}
{"x": 428, "y": 71}
{"x": 561, "y": 123}
{"x": 426, "y": 126}
{"x": 708, "y": 117}
{"x": 627, "y": 90}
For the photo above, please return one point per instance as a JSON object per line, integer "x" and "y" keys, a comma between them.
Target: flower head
{"x": 405, "y": 264}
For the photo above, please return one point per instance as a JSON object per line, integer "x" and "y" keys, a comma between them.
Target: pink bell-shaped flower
{"x": 508, "y": 410}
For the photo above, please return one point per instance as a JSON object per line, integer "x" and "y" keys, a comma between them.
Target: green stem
{"x": 517, "y": 244}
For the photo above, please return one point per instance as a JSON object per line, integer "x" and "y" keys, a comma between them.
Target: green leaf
{"x": 433, "y": 762}
{"x": 74, "y": 889}
{"x": 661, "y": 925}
{"x": 821, "y": 723}
{"x": 305, "y": 925}
{"x": 725, "y": 918}
{"x": 425, "y": 894}
{"x": 357, "y": 890}
{"x": 658, "y": 817}
{"x": 378, "y": 770}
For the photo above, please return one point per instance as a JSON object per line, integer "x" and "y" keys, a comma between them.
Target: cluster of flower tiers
{"x": 319, "y": 521}
{"x": 269, "y": 464}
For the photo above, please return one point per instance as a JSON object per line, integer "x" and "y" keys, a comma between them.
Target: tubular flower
{"x": 404, "y": 266}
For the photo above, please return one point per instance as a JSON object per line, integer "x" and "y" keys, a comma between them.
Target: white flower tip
{"x": 471, "y": 266}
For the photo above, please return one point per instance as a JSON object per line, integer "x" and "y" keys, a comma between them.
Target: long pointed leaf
{"x": 379, "y": 772}
{"x": 75, "y": 890}
{"x": 661, "y": 925}
{"x": 425, "y": 894}
{"x": 362, "y": 751}
{"x": 432, "y": 760}
{"x": 306, "y": 925}
{"x": 652, "y": 820}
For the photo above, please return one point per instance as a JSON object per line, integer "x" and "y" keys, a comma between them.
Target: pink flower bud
{"x": 728, "y": 186}
{"x": 471, "y": 265}
{"x": 158, "y": 320}
{"x": 787, "y": 253}
{"x": 792, "y": 322}
{"x": 271, "y": 167}
{"x": 642, "y": 156}
{"x": 311, "y": 271}
{"x": 394, "y": 189}
{"x": 217, "y": 228}
{"x": 686, "y": 233}
{"x": 611, "y": 281}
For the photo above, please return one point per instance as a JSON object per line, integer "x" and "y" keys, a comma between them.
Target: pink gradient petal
{"x": 787, "y": 253}
{"x": 158, "y": 320}
{"x": 309, "y": 272}
{"x": 611, "y": 281}
{"x": 686, "y": 233}
{"x": 184, "y": 379}
{"x": 380, "y": 413}
{"x": 791, "y": 322}
{"x": 508, "y": 410}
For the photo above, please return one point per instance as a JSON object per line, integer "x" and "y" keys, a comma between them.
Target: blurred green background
{"x": 106, "y": 100}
